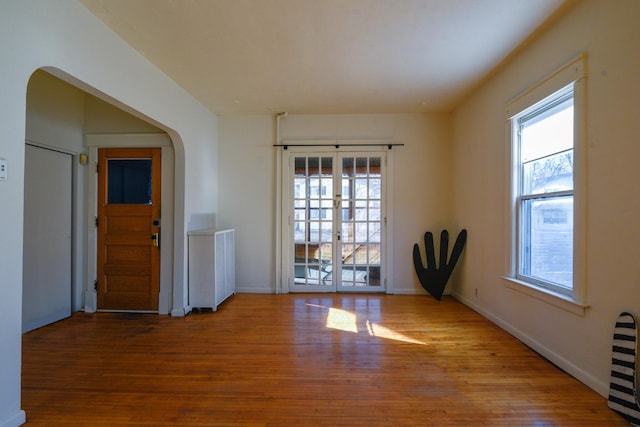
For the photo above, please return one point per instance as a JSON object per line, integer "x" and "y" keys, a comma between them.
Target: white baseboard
{"x": 31, "y": 324}
{"x": 566, "y": 365}
{"x": 180, "y": 312}
{"x": 254, "y": 290}
{"x": 404, "y": 291}
{"x": 413, "y": 291}
{"x": 17, "y": 420}
{"x": 90, "y": 301}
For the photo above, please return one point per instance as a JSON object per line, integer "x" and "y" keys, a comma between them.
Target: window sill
{"x": 563, "y": 302}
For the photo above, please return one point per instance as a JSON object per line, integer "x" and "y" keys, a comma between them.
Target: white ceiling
{"x": 326, "y": 56}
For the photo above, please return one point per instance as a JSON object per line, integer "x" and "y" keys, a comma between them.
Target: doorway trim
{"x": 283, "y": 196}
{"x": 132, "y": 140}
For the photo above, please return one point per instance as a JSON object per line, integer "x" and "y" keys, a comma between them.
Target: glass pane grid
{"x": 313, "y": 220}
{"x": 362, "y": 198}
{"x": 360, "y": 216}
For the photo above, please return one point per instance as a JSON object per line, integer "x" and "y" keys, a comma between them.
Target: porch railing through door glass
{"x": 361, "y": 221}
{"x": 313, "y": 220}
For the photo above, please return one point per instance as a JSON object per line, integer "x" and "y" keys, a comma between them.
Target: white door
{"x": 46, "y": 285}
{"x": 337, "y": 221}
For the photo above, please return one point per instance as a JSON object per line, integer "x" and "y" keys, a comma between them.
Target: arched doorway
{"x": 58, "y": 116}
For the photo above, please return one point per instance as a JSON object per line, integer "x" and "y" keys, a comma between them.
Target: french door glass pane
{"x": 313, "y": 220}
{"x": 361, "y": 221}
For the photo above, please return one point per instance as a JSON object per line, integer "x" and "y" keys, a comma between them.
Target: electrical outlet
{"x": 3, "y": 170}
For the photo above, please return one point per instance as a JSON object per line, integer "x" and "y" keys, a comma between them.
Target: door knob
{"x": 156, "y": 239}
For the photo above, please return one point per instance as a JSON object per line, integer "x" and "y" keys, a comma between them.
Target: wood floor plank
{"x": 298, "y": 359}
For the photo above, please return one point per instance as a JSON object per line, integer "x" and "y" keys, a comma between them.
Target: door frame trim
{"x": 283, "y": 196}
{"x": 132, "y": 140}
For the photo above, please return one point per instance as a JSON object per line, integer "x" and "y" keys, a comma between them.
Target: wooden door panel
{"x": 121, "y": 269}
{"x": 127, "y": 255}
{"x": 132, "y": 284}
{"x": 127, "y": 225}
{"x": 128, "y": 302}
{"x": 128, "y": 260}
{"x": 133, "y": 240}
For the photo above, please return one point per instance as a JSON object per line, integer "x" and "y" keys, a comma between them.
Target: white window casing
{"x": 571, "y": 77}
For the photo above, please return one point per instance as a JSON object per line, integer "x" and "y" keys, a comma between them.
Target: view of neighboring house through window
{"x": 545, "y": 185}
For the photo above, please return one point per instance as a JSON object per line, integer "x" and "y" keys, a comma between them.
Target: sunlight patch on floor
{"x": 344, "y": 320}
{"x": 377, "y": 330}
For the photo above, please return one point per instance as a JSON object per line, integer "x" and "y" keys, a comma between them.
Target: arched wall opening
{"x": 68, "y": 117}
{"x": 64, "y": 39}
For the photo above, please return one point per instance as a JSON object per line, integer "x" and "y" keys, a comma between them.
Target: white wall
{"x": 247, "y": 189}
{"x": 101, "y": 117}
{"x": 609, "y": 33}
{"x": 55, "y": 113}
{"x": 421, "y": 192}
{"x": 55, "y": 119}
{"x": 63, "y": 36}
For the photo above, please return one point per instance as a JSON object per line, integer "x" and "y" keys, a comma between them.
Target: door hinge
{"x": 95, "y": 285}
{"x": 96, "y": 221}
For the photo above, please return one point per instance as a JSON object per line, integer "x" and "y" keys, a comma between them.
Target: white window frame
{"x": 572, "y": 75}
{"x": 523, "y": 227}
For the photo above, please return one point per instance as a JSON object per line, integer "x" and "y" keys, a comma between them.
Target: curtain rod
{"x": 390, "y": 146}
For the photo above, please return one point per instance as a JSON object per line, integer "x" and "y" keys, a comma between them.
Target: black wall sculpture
{"x": 433, "y": 278}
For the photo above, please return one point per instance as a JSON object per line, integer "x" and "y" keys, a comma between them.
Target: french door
{"x": 336, "y": 221}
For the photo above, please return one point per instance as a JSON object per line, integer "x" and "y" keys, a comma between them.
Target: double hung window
{"x": 546, "y": 201}
{"x": 544, "y": 134}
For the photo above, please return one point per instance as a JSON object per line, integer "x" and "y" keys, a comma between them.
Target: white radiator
{"x": 212, "y": 275}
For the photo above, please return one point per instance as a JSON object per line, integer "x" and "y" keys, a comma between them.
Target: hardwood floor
{"x": 303, "y": 359}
